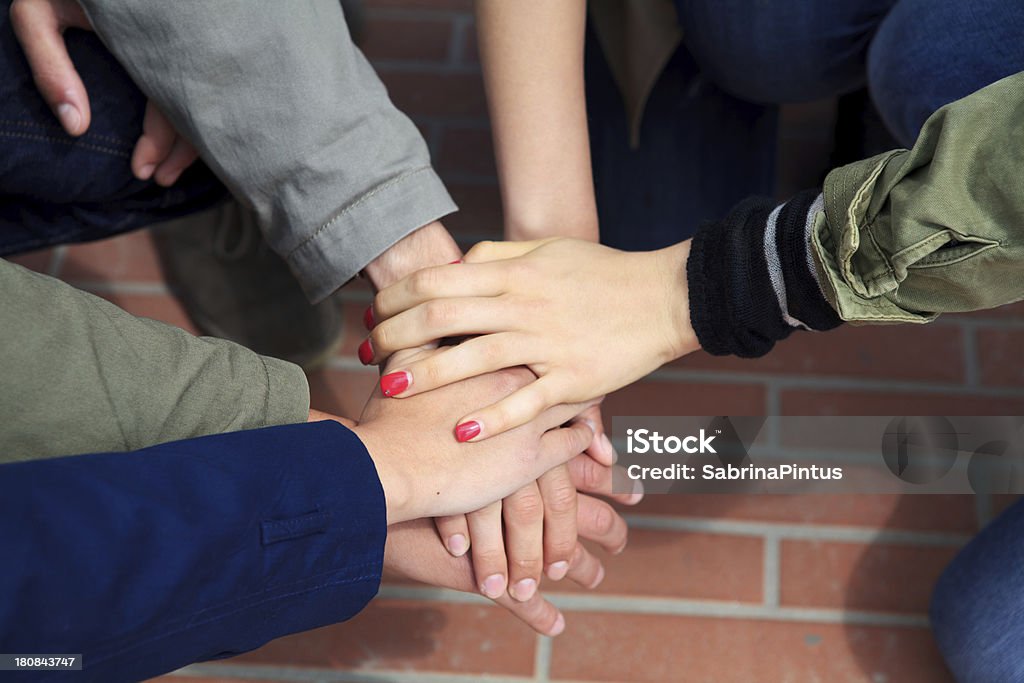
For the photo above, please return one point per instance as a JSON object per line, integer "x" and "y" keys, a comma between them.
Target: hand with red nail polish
{"x": 427, "y": 473}
{"x": 585, "y": 318}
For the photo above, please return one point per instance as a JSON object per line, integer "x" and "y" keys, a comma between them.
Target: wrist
{"x": 519, "y": 228}
{"x": 397, "y": 488}
{"x": 430, "y": 245}
{"x": 678, "y": 333}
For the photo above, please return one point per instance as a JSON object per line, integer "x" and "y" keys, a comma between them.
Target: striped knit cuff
{"x": 752, "y": 280}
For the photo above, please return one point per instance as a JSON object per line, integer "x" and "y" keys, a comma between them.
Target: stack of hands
{"x": 490, "y": 452}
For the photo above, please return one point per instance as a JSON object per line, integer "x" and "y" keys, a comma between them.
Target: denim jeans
{"x": 977, "y": 610}
{"x": 709, "y": 130}
{"x": 55, "y": 188}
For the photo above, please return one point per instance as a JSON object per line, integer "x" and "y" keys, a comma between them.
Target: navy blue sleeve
{"x": 150, "y": 560}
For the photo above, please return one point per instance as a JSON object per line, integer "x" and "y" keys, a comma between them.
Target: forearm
{"x": 431, "y": 245}
{"x": 190, "y": 550}
{"x": 532, "y": 57}
{"x": 81, "y": 375}
{"x": 289, "y": 114}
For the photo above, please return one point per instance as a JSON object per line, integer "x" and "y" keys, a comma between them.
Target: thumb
{"x": 39, "y": 27}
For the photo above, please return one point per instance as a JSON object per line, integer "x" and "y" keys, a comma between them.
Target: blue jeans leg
{"x": 977, "y": 610}
{"x": 55, "y": 188}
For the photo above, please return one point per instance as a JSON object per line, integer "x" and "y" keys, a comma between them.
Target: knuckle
{"x": 382, "y": 337}
{"x": 489, "y": 557}
{"x": 423, "y": 283}
{"x": 480, "y": 251}
{"x": 602, "y": 518}
{"x": 591, "y": 474}
{"x": 524, "y": 508}
{"x": 561, "y": 498}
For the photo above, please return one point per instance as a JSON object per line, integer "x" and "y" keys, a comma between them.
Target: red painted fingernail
{"x": 467, "y": 430}
{"x": 454, "y": 262}
{"x": 368, "y": 318}
{"x": 365, "y": 352}
{"x": 394, "y": 383}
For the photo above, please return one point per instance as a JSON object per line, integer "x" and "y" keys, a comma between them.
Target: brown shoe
{"x": 234, "y": 286}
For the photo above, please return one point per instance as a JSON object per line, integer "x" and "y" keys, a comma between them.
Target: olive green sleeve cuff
{"x": 910, "y": 234}
{"x": 287, "y": 395}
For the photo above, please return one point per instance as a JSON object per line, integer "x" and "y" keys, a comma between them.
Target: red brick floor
{"x": 712, "y": 588}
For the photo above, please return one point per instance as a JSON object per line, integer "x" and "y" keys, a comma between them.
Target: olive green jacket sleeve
{"x": 78, "y": 374}
{"x": 908, "y": 235}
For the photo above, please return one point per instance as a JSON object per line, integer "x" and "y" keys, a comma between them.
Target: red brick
{"x": 341, "y": 392}
{"x": 819, "y": 402}
{"x": 1001, "y": 357}
{"x": 681, "y": 565}
{"x": 950, "y": 513}
{"x": 878, "y": 577}
{"x": 157, "y": 306}
{"x": 880, "y": 351}
{"x": 436, "y": 94}
{"x": 1001, "y": 502}
{"x": 634, "y": 647}
{"x": 479, "y": 214}
{"x": 653, "y": 397}
{"x": 413, "y": 39}
{"x": 470, "y": 46}
{"x": 126, "y": 257}
{"x": 38, "y": 261}
{"x": 400, "y": 635}
{"x": 467, "y": 150}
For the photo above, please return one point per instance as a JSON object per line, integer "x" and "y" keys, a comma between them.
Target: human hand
{"x": 426, "y": 474}
{"x": 586, "y": 319}
{"x": 160, "y": 152}
{"x": 412, "y": 552}
{"x": 541, "y": 523}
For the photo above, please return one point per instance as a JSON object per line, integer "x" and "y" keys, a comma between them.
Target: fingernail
{"x": 394, "y": 383}
{"x": 638, "y": 492}
{"x": 494, "y": 586}
{"x": 365, "y": 352}
{"x": 467, "y": 430}
{"x": 146, "y": 172}
{"x": 457, "y": 545}
{"x": 69, "y": 116}
{"x": 559, "y": 626}
{"x": 454, "y": 262}
{"x": 524, "y": 590}
{"x": 600, "y": 577}
{"x": 558, "y": 570}
{"x": 368, "y": 318}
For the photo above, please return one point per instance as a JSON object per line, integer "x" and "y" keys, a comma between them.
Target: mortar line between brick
{"x": 617, "y": 604}
{"x": 796, "y": 531}
{"x": 284, "y": 673}
{"x": 772, "y": 571}
{"x": 542, "y": 659}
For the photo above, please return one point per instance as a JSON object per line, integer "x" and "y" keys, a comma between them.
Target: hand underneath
{"x": 425, "y": 473}
{"x": 586, "y": 319}
{"x": 160, "y": 152}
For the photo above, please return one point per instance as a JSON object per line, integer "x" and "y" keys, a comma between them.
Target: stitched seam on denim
{"x": 195, "y": 624}
{"x": 70, "y": 143}
{"x": 43, "y": 126}
{"x": 366, "y": 197}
